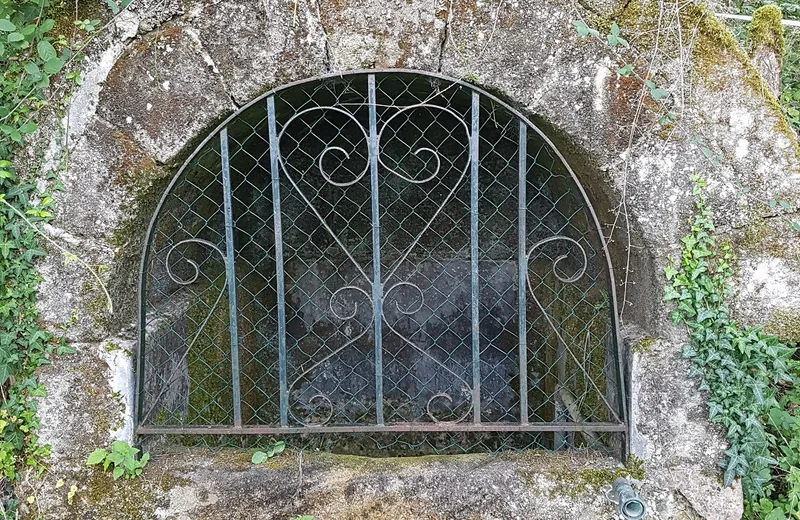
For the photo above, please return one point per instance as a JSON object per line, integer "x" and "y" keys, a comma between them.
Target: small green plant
{"x": 752, "y": 379}
{"x": 614, "y": 39}
{"x": 122, "y": 458}
{"x": 260, "y": 457}
{"x": 303, "y": 517}
{"x": 87, "y": 25}
{"x": 116, "y": 7}
{"x": 472, "y": 78}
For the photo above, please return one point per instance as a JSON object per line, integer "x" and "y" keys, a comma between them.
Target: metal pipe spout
{"x": 629, "y": 505}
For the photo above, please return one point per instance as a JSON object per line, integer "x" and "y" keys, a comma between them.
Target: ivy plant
{"x": 31, "y": 57}
{"x": 751, "y": 379}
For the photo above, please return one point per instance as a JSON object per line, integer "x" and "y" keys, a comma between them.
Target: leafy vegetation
{"x": 121, "y": 460}
{"x": 752, "y": 379}
{"x": 260, "y": 457}
{"x": 614, "y": 39}
{"x": 30, "y": 57}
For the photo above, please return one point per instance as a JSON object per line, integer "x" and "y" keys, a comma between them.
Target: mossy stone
{"x": 766, "y": 29}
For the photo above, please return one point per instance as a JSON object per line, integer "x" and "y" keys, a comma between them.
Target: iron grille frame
{"x": 476, "y": 425}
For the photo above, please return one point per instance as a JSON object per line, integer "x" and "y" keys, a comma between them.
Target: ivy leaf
{"x": 130, "y": 464}
{"x": 584, "y": 30}
{"x": 7, "y": 26}
{"x": 705, "y": 314}
{"x": 732, "y": 469}
{"x": 669, "y": 117}
{"x": 658, "y": 94}
{"x": 46, "y": 51}
{"x": 625, "y": 71}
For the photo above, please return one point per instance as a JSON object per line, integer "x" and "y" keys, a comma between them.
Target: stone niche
{"x": 170, "y": 73}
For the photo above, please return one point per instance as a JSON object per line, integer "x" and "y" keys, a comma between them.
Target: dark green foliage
{"x": 751, "y": 379}
{"x": 29, "y": 57}
{"x": 121, "y": 460}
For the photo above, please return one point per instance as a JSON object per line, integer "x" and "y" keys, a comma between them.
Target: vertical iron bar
{"x": 377, "y": 288}
{"x": 279, "y": 275}
{"x": 476, "y": 336}
{"x": 523, "y": 271}
{"x": 230, "y": 273}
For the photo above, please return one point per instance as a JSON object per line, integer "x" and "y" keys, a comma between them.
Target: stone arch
{"x": 130, "y": 126}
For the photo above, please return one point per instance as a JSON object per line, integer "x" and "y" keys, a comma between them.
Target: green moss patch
{"x": 572, "y": 482}
{"x": 766, "y": 29}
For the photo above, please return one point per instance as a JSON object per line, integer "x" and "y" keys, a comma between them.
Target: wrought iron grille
{"x": 390, "y": 253}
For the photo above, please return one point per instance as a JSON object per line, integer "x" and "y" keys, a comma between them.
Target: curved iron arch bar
{"x": 434, "y": 75}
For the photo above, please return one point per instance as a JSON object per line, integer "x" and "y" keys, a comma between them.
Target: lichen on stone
{"x": 644, "y": 345}
{"x": 785, "y": 324}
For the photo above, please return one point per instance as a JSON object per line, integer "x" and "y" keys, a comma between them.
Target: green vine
{"x": 751, "y": 378}
{"x": 30, "y": 59}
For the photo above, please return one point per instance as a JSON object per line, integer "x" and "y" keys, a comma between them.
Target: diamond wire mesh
{"x": 326, "y": 238}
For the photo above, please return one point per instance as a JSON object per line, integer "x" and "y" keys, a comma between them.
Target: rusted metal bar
{"x": 396, "y": 428}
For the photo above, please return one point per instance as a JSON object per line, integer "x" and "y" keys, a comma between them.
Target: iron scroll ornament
{"x": 351, "y": 300}
{"x": 467, "y": 391}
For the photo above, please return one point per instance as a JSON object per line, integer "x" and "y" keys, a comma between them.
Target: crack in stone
{"x": 327, "y": 61}
{"x": 445, "y": 36}
{"x": 201, "y": 50}
{"x": 233, "y": 99}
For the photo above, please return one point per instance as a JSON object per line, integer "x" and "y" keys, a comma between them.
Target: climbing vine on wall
{"x": 30, "y": 58}
{"x": 751, "y": 378}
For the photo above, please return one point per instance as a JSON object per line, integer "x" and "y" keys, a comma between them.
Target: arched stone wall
{"x": 171, "y": 72}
